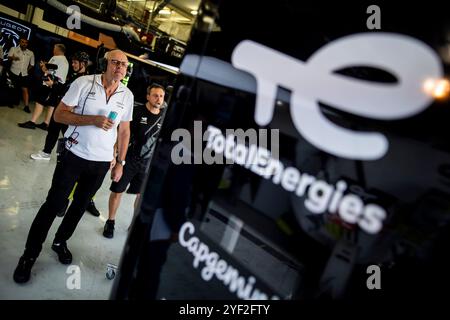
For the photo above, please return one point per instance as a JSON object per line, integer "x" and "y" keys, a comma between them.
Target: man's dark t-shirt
{"x": 144, "y": 129}
{"x": 60, "y": 89}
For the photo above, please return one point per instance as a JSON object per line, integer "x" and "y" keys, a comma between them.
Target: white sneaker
{"x": 41, "y": 155}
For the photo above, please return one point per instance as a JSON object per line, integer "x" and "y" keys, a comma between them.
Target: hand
{"x": 116, "y": 172}
{"x": 113, "y": 163}
{"x": 103, "y": 122}
{"x": 42, "y": 66}
{"x": 49, "y": 83}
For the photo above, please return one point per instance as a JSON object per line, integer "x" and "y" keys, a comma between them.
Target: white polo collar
{"x": 98, "y": 80}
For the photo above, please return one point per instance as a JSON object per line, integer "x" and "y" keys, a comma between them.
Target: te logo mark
{"x": 314, "y": 81}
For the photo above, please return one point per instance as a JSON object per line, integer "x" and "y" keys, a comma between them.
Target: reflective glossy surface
{"x": 331, "y": 210}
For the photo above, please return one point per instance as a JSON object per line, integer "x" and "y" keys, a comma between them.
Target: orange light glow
{"x": 437, "y": 88}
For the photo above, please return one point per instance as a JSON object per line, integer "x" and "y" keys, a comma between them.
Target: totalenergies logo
{"x": 313, "y": 81}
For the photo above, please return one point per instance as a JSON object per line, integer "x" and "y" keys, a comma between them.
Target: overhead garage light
{"x": 165, "y": 11}
{"x": 194, "y": 12}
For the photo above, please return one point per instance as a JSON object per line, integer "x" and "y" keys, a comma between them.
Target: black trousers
{"x": 90, "y": 175}
{"x": 53, "y": 134}
{"x": 19, "y": 82}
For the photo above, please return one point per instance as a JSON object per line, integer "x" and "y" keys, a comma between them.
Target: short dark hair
{"x": 155, "y": 85}
{"x": 61, "y": 47}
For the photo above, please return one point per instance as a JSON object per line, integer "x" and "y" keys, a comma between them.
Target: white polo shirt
{"x": 63, "y": 67}
{"x": 95, "y": 143}
{"x": 20, "y": 66}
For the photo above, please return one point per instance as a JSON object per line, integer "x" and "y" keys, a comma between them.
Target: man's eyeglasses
{"x": 118, "y": 63}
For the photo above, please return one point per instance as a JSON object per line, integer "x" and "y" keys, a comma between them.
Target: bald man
{"x": 89, "y": 152}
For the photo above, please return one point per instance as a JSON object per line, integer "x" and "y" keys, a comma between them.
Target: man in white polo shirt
{"x": 22, "y": 60}
{"x": 89, "y": 152}
{"x": 49, "y": 92}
